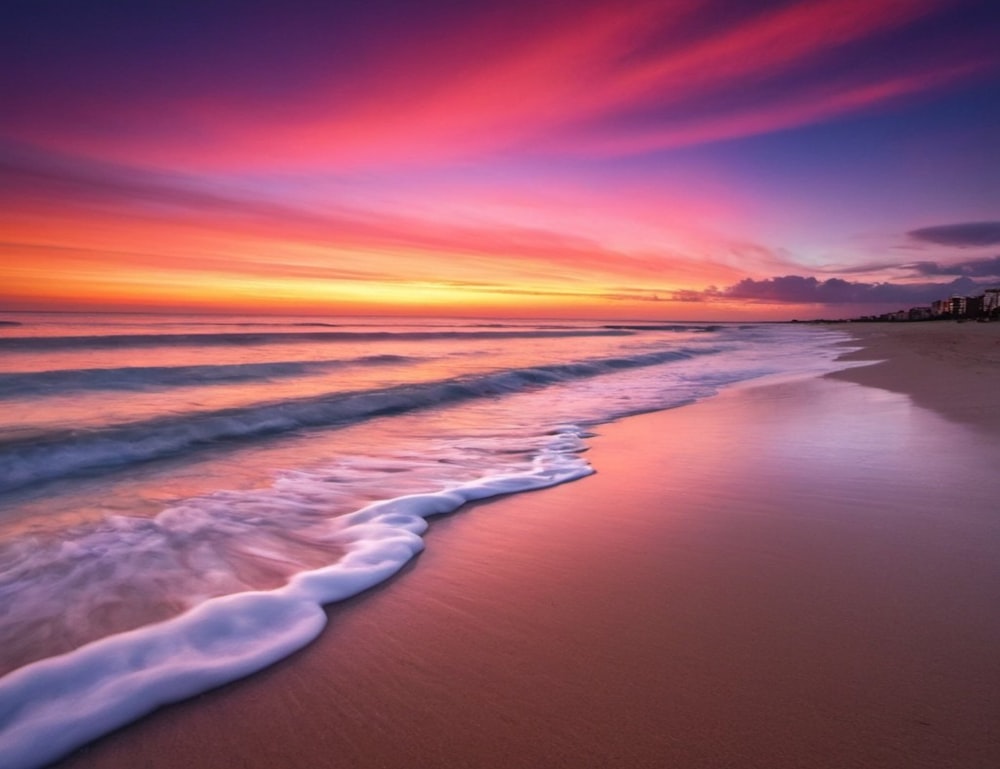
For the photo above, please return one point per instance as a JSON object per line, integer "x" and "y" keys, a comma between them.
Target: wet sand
{"x": 794, "y": 574}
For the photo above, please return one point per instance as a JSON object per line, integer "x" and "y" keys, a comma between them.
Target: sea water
{"x": 179, "y": 496}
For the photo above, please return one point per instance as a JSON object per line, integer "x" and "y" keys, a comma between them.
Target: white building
{"x": 991, "y": 300}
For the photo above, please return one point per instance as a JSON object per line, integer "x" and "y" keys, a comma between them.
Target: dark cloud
{"x": 798, "y": 289}
{"x": 986, "y": 267}
{"x": 964, "y": 234}
{"x": 973, "y": 268}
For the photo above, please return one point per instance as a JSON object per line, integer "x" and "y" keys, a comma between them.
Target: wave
{"x": 50, "y": 707}
{"x": 20, "y": 384}
{"x": 661, "y": 327}
{"x": 48, "y": 457}
{"x": 119, "y": 341}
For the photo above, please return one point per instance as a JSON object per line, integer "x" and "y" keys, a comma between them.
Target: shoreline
{"x": 760, "y": 579}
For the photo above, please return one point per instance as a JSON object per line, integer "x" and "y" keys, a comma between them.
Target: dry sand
{"x": 951, "y": 367}
{"x": 797, "y": 574}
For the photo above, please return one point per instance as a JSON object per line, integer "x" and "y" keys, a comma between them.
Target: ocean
{"x": 179, "y": 496}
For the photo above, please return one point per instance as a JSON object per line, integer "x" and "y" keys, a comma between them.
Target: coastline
{"x": 779, "y": 576}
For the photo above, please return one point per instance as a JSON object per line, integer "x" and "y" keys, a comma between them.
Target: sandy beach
{"x": 793, "y": 574}
{"x": 952, "y": 368}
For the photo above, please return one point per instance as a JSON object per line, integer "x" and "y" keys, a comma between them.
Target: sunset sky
{"x": 683, "y": 159}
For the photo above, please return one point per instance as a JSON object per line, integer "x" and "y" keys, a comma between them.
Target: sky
{"x": 674, "y": 159}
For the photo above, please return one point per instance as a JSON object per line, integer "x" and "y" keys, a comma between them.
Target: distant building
{"x": 986, "y": 306}
{"x": 941, "y": 307}
{"x": 973, "y": 306}
{"x": 991, "y": 302}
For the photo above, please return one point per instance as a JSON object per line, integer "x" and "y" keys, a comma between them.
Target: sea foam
{"x": 51, "y": 707}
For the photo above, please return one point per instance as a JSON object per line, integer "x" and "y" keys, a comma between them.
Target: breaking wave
{"x": 35, "y": 383}
{"x": 50, "y": 707}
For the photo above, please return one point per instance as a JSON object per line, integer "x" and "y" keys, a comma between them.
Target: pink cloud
{"x": 567, "y": 231}
{"x": 822, "y": 103}
{"x": 527, "y": 78}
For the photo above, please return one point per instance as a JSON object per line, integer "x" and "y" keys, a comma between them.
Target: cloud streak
{"x": 973, "y": 268}
{"x": 964, "y": 234}
{"x": 172, "y": 221}
{"x": 595, "y": 77}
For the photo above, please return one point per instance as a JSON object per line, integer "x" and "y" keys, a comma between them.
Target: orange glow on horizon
{"x": 241, "y": 256}
{"x": 647, "y": 160}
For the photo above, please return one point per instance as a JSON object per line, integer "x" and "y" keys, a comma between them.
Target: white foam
{"x": 52, "y": 706}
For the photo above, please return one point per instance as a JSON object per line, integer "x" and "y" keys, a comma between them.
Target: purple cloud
{"x": 963, "y": 235}
{"x": 798, "y": 289}
{"x": 973, "y": 268}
